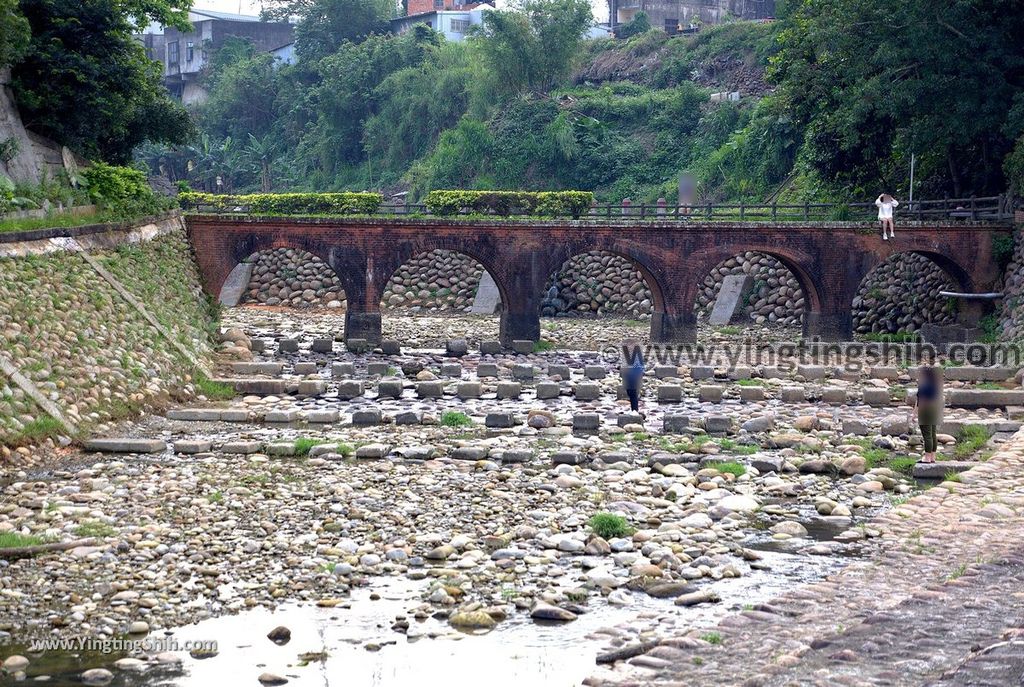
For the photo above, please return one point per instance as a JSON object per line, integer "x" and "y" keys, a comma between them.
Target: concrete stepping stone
{"x": 564, "y": 372}
{"x": 312, "y": 387}
{"x": 833, "y": 395}
{"x": 670, "y": 393}
{"x": 126, "y": 445}
{"x": 675, "y": 424}
{"x": 586, "y": 422}
{"x": 792, "y": 394}
{"x": 258, "y": 387}
{"x": 390, "y": 388}
{"x": 883, "y": 372}
{"x": 322, "y": 416}
{"x": 666, "y": 371}
{"x": 509, "y": 391}
{"x": 876, "y": 397}
{"x": 517, "y": 456}
{"x": 979, "y": 374}
{"x": 281, "y": 448}
{"x": 390, "y": 347}
{"x": 718, "y": 424}
{"x": 548, "y": 390}
{"x": 500, "y": 420}
{"x": 242, "y": 447}
{"x": 456, "y": 348}
{"x": 751, "y": 394}
{"x": 522, "y": 346}
{"x": 486, "y": 370}
{"x": 773, "y": 373}
{"x": 234, "y": 415}
{"x": 192, "y": 446}
{"x": 629, "y": 419}
{"x": 739, "y": 372}
{"x": 566, "y": 458}
{"x": 339, "y": 370}
{"x": 587, "y": 392}
{"x": 195, "y": 414}
{"x": 491, "y": 347}
{"x": 469, "y": 453}
{"x": 378, "y": 369}
{"x": 416, "y": 452}
{"x": 856, "y": 427}
{"x": 304, "y": 368}
{"x": 451, "y": 370}
{"x": 291, "y": 415}
{"x": 408, "y": 417}
{"x": 373, "y": 451}
{"x": 812, "y": 372}
{"x": 468, "y": 390}
{"x": 595, "y": 372}
{"x": 322, "y": 346}
{"x": 523, "y": 372}
{"x": 710, "y": 393}
{"x": 984, "y": 398}
{"x": 288, "y": 346}
{"x": 940, "y": 468}
{"x": 358, "y": 346}
{"x": 366, "y": 417}
{"x": 432, "y": 389}
{"x": 349, "y": 389}
{"x": 699, "y": 372}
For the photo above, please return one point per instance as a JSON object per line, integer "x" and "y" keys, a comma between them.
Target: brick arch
{"x": 800, "y": 264}
{"x": 948, "y": 264}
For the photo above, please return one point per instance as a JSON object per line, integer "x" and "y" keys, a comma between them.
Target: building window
{"x": 460, "y": 25}
{"x": 438, "y": 4}
{"x": 190, "y": 51}
{"x": 172, "y": 52}
{"x": 671, "y": 26}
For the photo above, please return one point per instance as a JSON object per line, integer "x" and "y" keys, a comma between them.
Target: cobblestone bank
{"x": 924, "y": 606}
{"x": 71, "y": 333}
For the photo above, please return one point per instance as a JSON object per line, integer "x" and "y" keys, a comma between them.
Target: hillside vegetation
{"x": 829, "y": 107}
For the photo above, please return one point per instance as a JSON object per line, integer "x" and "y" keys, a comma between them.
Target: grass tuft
{"x": 215, "y": 391}
{"x": 609, "y": 525}
{"x": 729, "y": 467}
{"x": 970, "y": 440}
{"x": 13, "y": 540}
{"x": 455, "y": 418}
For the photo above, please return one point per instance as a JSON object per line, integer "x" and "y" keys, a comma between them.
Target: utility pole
{"x": 913, "y": 160}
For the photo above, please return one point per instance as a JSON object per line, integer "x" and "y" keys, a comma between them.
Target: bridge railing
{"x": 987, "y": 209}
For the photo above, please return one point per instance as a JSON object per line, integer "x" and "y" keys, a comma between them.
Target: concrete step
{"x": 126, "y": 445}
{"x": 941, "y": 468}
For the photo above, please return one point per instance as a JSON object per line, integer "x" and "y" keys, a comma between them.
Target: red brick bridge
{"x": 828, "y": 258}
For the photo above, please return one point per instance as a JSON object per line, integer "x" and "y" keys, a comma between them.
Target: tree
{"x": 242, "y": 95}
{"x": 874, "y": 81}
{"x": 87, "y": 83}
{"x": 324, "y": 25}
{"x": 639, "y": 24}
{"x": 531, "y": 47}
{"x": 14, "y": 32}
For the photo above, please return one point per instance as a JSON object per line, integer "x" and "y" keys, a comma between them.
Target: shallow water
{"x": 518, "y": 652}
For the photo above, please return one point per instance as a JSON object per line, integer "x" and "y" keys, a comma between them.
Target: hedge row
{"x": 545, "y": 203}
{"x": 288, "y": 203}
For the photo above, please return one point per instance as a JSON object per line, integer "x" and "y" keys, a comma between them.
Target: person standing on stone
{"x": 885, "y": 204}
{"x": 634, "y": 378}
{"x": 928, "y": 404}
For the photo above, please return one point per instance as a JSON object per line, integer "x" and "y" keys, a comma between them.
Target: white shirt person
{"x": 885, "y": 204}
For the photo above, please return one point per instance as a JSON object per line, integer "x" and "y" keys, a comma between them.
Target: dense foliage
{"x": 835, "y": 98}
{"x": 83, "y": 80}
{"x": 14, "y": 32}
{"x": 122, "y": 191}
{"x": 545, "y": 203}
{"x": 287, "y": 203}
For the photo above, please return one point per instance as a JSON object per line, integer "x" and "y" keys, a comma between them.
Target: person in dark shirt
{"x": 634, "y": 377}
{"x": 928, "y": 404}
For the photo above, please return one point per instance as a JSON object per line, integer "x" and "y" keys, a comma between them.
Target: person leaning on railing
{"x": 886, "y": 204}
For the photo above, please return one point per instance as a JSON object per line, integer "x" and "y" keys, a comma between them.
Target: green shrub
{"x": 504, "y": 203}
{"x": 609, "y": 525}
{"x": 454, "y": 418}
{"x": 122, "y": 190}
{"x": 971, "y": 439}
{"x": 730, "y": 467}
{"x": 287, "y": 203}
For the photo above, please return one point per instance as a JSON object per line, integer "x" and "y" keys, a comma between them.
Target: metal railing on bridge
{"x": 980, "y": 210}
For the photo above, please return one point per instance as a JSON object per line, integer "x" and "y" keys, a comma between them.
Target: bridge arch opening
{"x": 286, "y": 277}
{"x": 601, "y": 283}
{"x": 443, "y": 282}
{"x": 776, "y": 295}
{"x": 901, "y": 294}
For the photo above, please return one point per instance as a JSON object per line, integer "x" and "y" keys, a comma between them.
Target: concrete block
{"x": 595, "y": 371}
{"x": 350, "y": 388}
{"x": 282, "y": 416}
{"x": 242, "y": 447}
{"x": 377, "y": 369}
{"x": 517, "y": 456}
{"x": 522, "y": 346}
{"x": 718, "y": 424}
{"x": 731, "y": 297}
{"x": 984, "y": 398}
{"x": 408, "y": 417}
{"x": 855, "y": 426}
{"x": 666, "y": 371}
{"x": 812, "y": 372}
{"x": 586, "y": 422}
{"x": 373, "y": 451}
{"x": 390, "y": 347}
{"x": 670, "y": 393}
{"x": 566, "y": 458}
{"x": 453, "y": 370}
{"x": 189, "y": 446}
{"x": 773, "y": 373}
{"x": 343, "y": 370}
{"x": 486, "y": 370}
{"x": 366, "y": 417}
{"x": 979, "y": 374}
{"x": 561, "y": 371}
{"x": 312, "y": 387}
{"x": 675, "y": 424}
{"x": 281, "y": 448}
{"x": 939, "y": 469}
{"x": 699, "y": 372}
{"x": 500, "y": 420}
{"x": 523, "y": 372}
{"x": 833, "y": 395}
{"x": 288, "y": 346}
{"x": 234, "y": 415}
{"x": 629, "y": 419}
{"x": 473, "y": 453}
{"x": 389, "y": 388}
{"x": 883, "y": 372}
{"x": 876, "y": 397}
{"x": 358, "y": 346}
{"x": 322, "y": 346}
{"x": 548, "y": 390}
{"x": 258, "y": 345}
{"x": 710, "y": 393}
{"x": 740, "y": 372}
{"x": 430, "y": 389}
{"x": 792, "y": 394}
{"x": 587, "y": 392}
{"x": 321, "y": 416}
{"x": 456, "y": 348}
{"x": 509, "y": 391}
{"x": 490, "y": 347}
{"x": 304, "y": 368}
{"x": 466, "y": 390}
{"x": 195, "y": 414}
{"x": 126, "y": 445}
{"x": 751, "y": 394}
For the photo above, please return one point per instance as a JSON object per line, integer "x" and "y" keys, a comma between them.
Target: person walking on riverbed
{"x": 634, "y": 377}
{"x": 885, "y": 204}
{"x": 928, "y": 404}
